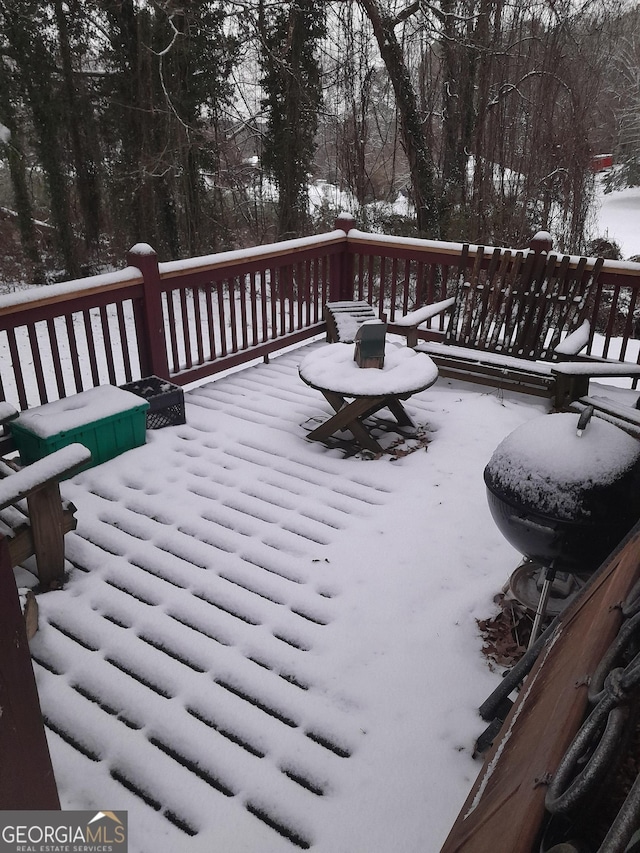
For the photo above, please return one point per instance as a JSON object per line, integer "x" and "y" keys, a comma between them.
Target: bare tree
{"x": 414, "y": 141}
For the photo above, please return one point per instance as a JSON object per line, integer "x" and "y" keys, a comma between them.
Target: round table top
{"x": 333, "y": 368}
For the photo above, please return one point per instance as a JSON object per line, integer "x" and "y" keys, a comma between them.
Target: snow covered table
{"x": 333, "y": 371}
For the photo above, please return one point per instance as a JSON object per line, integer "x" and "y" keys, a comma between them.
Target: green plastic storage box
{"x": 106, "y": 420}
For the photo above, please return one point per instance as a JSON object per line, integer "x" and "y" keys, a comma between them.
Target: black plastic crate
{"x": 166, "y": 401}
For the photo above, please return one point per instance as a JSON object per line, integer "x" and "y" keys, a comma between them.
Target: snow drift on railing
{"x": 239, "y": 256}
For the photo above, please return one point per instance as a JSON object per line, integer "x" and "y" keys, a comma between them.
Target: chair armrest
{"x": 413, "y": 319}
{"x": 572, "y": 377}
{"x": 421, "y": 315}
{"x": 574, "y": 342}
{"x": 24, "y": 482}
{"x": 596, "y": 368}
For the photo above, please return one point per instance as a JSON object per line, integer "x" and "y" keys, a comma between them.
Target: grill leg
{"x": 549, "y": 578}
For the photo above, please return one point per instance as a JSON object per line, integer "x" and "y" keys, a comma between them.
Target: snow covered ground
{"x": 260, "y": 632}
{"x": 618, "y": 218}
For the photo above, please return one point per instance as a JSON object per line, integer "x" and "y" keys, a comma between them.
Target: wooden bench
{"x": 519, "y": 323}
{"x": 511, "y": 319}
{"x": 33, "y": 517}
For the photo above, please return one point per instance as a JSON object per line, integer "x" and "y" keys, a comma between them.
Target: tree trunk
{"x": 21, "y": 196}
{"x": 37, "y": 71}
{"x": 414, "y": 142}
{"x": 77, "y": 118}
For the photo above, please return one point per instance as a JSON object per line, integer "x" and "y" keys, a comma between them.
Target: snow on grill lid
{"x": 546, "y": 465}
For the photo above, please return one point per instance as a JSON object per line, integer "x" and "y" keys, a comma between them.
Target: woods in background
{"x": 199, "y": 126}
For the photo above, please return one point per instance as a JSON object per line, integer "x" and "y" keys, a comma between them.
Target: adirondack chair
{"x": 33, "y": 516}
{"x": 343, "y": 319}
{"x": 523, "y": 305}
{"x": 512, "y": 324}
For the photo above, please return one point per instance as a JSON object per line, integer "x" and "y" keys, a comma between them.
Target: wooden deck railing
{"x": 184, "y": 320}
{"x": 398, "y": 274}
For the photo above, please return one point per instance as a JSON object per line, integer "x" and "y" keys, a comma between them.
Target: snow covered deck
{"x": 265, "y": 646}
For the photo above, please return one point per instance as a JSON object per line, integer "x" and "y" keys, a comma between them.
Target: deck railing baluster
{"x": 244, "y": 327}
{"x": 91, "y": 349}
{"x": 211, "y": 326}
{"x": 253, "y": 291}
{"x": 197, "y": 324}
{"x": 406, "y": 284}
{"x": 55, "y": 353}
{"x": 73, "y": 352}
{"x": 37, "y": 362}
{"x": 221, "y": 317}
{"x": 274, "y": 296}
{"x": 124, "y": 342}
{"x": 16, "y": 361}
{"x": 107, "y": 346}
{"x": 233, "y": 323}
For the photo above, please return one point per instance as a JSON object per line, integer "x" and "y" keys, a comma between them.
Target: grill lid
{"x": 546, "y": 465}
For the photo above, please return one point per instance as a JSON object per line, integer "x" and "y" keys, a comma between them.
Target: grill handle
{"x": 583, "y": 420}
{"x": 549, "y": 533}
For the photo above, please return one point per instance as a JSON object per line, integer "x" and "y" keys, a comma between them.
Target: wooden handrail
{"x": 356, "y": 239}
{"x": 242, "y": 259}
{"x": 58, "y": 294}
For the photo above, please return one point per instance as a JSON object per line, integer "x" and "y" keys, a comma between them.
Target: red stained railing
{"x": 222, "y": 310}
{"x": 185, "y": 320}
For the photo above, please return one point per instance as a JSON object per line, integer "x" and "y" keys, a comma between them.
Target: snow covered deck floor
{"x": 265, "y": 646}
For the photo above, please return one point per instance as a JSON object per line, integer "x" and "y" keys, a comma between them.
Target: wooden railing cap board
{"x": 242, "y": 257}
{"x": 452, "y": 249}
{"x": 355, "y": 236}
{"x": 52, "y": 294}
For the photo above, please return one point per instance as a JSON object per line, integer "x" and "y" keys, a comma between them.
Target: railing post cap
{"x": 541, "y": 241}
{"x": 345, "y": 222}
{"x": 141, "y": 249}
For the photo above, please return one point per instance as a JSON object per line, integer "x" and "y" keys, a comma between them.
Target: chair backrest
{"x": 522, "y": 305}
{"x": 343, "y": 319}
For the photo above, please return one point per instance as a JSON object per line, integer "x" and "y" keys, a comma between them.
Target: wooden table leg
{"x": 336, "y": 401}
{"x": 399, "y": 412}
{"x": 347, "y": 417}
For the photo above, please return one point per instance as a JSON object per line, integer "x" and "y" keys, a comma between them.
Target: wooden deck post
{"x": 541, "y": 242}
{"x": 153, "y": 353}
{"x": 341, "y": 271}
{"x": 26, "y": 773}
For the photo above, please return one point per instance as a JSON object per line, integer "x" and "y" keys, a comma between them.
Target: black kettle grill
{"x": 564, "y": 490}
